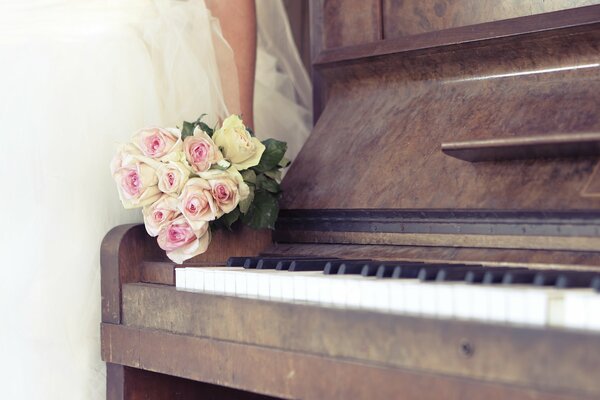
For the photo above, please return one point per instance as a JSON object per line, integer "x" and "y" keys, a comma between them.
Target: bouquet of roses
{"x": 191, "y": 179}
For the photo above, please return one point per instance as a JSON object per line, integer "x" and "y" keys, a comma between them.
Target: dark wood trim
{"x": 526, "y": 147}
{"x": 288, "y": 374}
{"x": 582, "y": 17}
{"x": 476, "y": 222}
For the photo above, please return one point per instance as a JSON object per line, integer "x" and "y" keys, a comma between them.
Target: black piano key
{"x": 596, "y": 284}
{"x": 351, "y": 268}
{"x": 458, "y": 274}
{"x": 546, "y": 278}
{"x": 236, "y": 261}
{"x": 576, "y": 279}
{"x": 429, "y": 271}
{"x": 385, "y": 271}
{"x": 519, "y": 277}
{"x": 406, "y": 271}
{"x": 266, "y": 264}
{"x": 332, "y": 267}
{"x": 316, "y": 264}
{"x": 369, "y": 269}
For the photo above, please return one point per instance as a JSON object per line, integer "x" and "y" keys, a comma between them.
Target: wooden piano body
{"x": 448, "y": 131}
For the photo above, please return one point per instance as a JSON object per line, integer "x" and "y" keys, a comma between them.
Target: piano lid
{"x": 519, "y": 99}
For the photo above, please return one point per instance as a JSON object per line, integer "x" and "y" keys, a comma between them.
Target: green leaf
{"x": 274, "y": 174}
{"x": 263, "y": 211}
{"x": 187, "y": 130}
{"x": 209, "y": 131}
{"x": 249, "y": 176}
{"x": 266, "y": 183}
{"x": 229, "y": 218}
{"x": 284, "y": 162}
{"x": 245, "y": 204}
{"x": 274, "y": 152}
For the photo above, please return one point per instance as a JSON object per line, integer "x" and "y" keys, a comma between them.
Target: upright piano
{"x": 442, "y": 220}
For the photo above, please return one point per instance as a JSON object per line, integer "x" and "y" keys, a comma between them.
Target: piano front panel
{"x": 378, "y": 142}
{"x": 412, "y": 17}
{"x": 485, "y": 352}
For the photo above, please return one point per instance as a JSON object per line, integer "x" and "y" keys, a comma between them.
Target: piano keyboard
{"x": 558, "y": 298}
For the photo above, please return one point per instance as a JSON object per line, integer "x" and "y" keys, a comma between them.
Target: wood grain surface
{"x": 292, "y": 375}
{"x": 411, "y": 17}
{"x": 377, "y": 143}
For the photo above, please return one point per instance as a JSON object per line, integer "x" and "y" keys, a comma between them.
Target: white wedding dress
{"x": 76, "y": 78}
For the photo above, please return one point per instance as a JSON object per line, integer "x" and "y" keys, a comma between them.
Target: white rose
{"x": 243, "y": 150}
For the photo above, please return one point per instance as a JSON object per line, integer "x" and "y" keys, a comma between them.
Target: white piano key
{"x": 180, "y": 274}
{"x": 412, "y": 301}
{"x": 369, "y": 288}
{"x": 252, "y": 284}
{"x": 593, "y": 312}
{"x": 287, "y": 286}
{"x": 396, "y": 296}
{"x": 576, "y": 307}
{"x": 479, "y": 299}
{"x": 208, "y": 278}
{"x": 427, "y": 298}
{"x": 497, "y": 305}
{"x": 275, "y": 280}
{"x": 462, "y": 301}
{"x": 383, "y": 295}
{"x": 219, "y": 281}
{"x": 444, "y": 300}
{"x": 230, "y": 281}
{"x": 240, "y": 284}
{"x": 313, "y": 287}
{"x": 334, "y": 289}
{"x": 353, "y": 297}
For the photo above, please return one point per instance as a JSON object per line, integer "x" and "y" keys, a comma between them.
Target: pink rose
{"x": 200, "y": 151}
{"x": 180, "y": 241}
{"x": 157, "y": 142}
{"x": 124, "y": 156}
{"x": 172, "y": 176}
{"x": 227, "y": 188}
{"x": 197, "y": 204}
{"x": 137, "y": 182}
{"x": 160, "y": 213}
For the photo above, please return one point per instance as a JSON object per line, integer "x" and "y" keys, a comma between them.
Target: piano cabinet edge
{"x": 287, "y": 374}
{"x": 125, "y": 247}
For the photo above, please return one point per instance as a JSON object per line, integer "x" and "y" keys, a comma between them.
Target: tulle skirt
{"x": 77, "y": 77}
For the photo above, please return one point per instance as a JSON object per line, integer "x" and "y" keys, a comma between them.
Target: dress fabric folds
{"x": 76, "y": 78}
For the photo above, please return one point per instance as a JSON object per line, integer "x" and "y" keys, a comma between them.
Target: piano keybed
{"x": 505, "y": 295}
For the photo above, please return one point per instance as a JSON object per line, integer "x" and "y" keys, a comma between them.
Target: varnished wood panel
{"x": 377, "y": 143}
{"x": 292, "y": 375}
{"x": 530, "y": 258}
{"x": 126, "y": 383}
{"x": 411, "y": 17}
{"x": 506, "y": 354}
{"x": 349, "y": 22}
{"x": 125, "y": 247}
